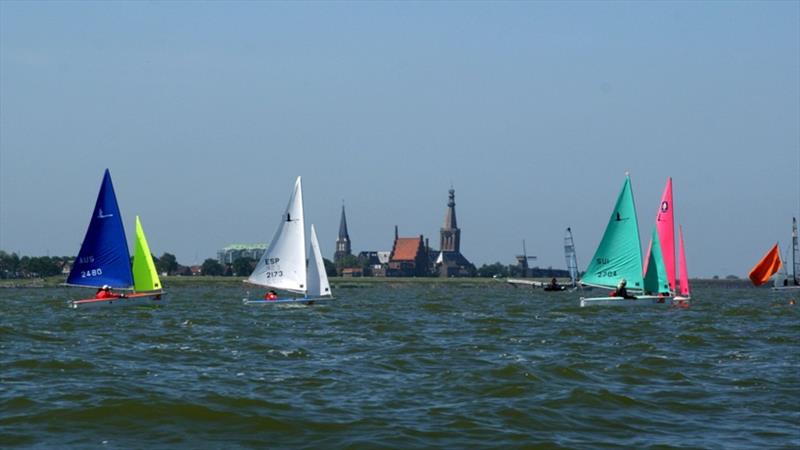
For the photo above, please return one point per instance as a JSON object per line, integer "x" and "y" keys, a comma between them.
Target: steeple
{"x": 450, "y": 233}
{"x": 343, "y": 227}
{"x": 343, "y": 241}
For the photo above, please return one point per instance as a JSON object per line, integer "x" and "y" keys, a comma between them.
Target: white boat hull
{"x": 129, "y": 300}
{"x": 784, "y": 288}
{"x": 528, "y": 283}
{"x": 283, "y": 301}
{"x": 642, "y": 300}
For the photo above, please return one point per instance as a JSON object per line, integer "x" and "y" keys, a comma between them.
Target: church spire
{"x": 450, "y": 215}
{"x": 343, "y": 241}
{"x": 450, "y": 233}
{"x": 343, "y": 226}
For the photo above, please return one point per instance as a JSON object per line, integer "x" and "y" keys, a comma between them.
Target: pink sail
{"x": 665, "y": 224}
{"x": 684, "y": 272}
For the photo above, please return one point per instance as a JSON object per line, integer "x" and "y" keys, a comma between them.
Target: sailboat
{"x": 283, "y": 265}
{"x": 103, "y": 259}
{"x": 772, "y": 263}
{"x": 685, "y": 295}
{"x": 659, "y": 264}
{"x": 619, "y": 256}
{"x": 571, "y": 258}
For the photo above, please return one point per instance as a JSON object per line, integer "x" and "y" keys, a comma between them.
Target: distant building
{"x": 375, "y": 263}
{"x": 409, "y": 257}
{"x": 233, "y": 252}
{"x": 343, "y": 241}
{"x": 450, "y": 262}
{"x": 352, "y": 272}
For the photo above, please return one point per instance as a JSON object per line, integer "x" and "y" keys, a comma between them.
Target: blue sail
{"x": 103, "y": 258}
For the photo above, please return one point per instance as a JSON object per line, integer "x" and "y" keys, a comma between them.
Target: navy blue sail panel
{"x": 103, "y": 258}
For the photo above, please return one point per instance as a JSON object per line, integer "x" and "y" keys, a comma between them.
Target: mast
{"x": 795, "y": 252}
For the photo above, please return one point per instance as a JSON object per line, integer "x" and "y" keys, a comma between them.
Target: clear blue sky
{"x": 206, "y": 112}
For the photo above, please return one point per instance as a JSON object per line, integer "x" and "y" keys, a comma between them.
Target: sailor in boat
{"x": 622, "y": 291}
{"x": 105, "y": 292}
{"x": 553, "y": 285}
{"x": 271, "y": 295}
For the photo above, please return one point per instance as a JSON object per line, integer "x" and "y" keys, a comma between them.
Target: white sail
{"x": 283, "y": 264}
{"x": 572, "y": 260}
{"x": 317, "y": 278}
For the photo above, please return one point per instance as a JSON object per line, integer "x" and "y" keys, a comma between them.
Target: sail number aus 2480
{"x": 91, "y": 273}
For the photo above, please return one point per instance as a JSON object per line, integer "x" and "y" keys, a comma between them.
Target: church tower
{"x": 450, "y": 233}
{"x": 343, "y": 241}
{"x": 450, "y": 262}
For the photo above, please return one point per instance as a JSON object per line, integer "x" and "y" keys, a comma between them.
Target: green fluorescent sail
{"x": 655, "y": 279}
{"x": 145, "y": 277}
{"x": 620, "y": 253}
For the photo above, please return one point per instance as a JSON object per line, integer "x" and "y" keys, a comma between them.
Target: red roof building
{"x": 408, "y": 258}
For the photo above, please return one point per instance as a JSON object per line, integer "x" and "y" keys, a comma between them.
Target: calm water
{"x": 400, "y": 366}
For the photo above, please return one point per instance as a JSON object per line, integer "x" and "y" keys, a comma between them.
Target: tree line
{"x": 14, "y": 266}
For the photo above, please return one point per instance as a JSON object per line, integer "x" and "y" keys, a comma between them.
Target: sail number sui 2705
{"x": 605, "y": 273}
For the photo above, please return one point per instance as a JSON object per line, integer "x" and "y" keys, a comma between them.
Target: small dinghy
{"x": 283, "y": 267}
{"x": 618, "y": 258}
{"x": 103, "y": 261}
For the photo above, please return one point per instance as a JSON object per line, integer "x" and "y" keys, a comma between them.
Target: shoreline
{"x": 336, "y": 282}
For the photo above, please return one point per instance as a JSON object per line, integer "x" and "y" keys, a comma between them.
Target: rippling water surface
{"x": 400, "y": 366}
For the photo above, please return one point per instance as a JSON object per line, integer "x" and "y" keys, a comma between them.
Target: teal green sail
{"x": 619, "y": 255}
{"x": 655, "y": 276}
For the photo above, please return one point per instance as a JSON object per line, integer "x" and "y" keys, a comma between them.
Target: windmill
{"x": 522, "y": 260}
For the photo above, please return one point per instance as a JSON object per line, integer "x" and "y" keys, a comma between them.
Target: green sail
{"x": 619, "y": 254}
{"x": 145, "y": 277}
{"x": 655, "y": 278}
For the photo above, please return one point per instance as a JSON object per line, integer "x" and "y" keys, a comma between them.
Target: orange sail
{"x": 768, "y": 265}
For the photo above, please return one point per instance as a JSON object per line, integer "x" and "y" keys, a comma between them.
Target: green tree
{"x": 212, "y": 267}
{"x": 9, "y": 265}
{"x": 167, "y": 263}
{"x": 330, "y": 267}
{"x": 243, "y": 266}
{"x": 491, "y": 270}
{"x": 347, "y": 261}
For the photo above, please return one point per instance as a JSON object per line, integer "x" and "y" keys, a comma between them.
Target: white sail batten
{"x": 317, "y": 278}
{"x": 283, "y": 264}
